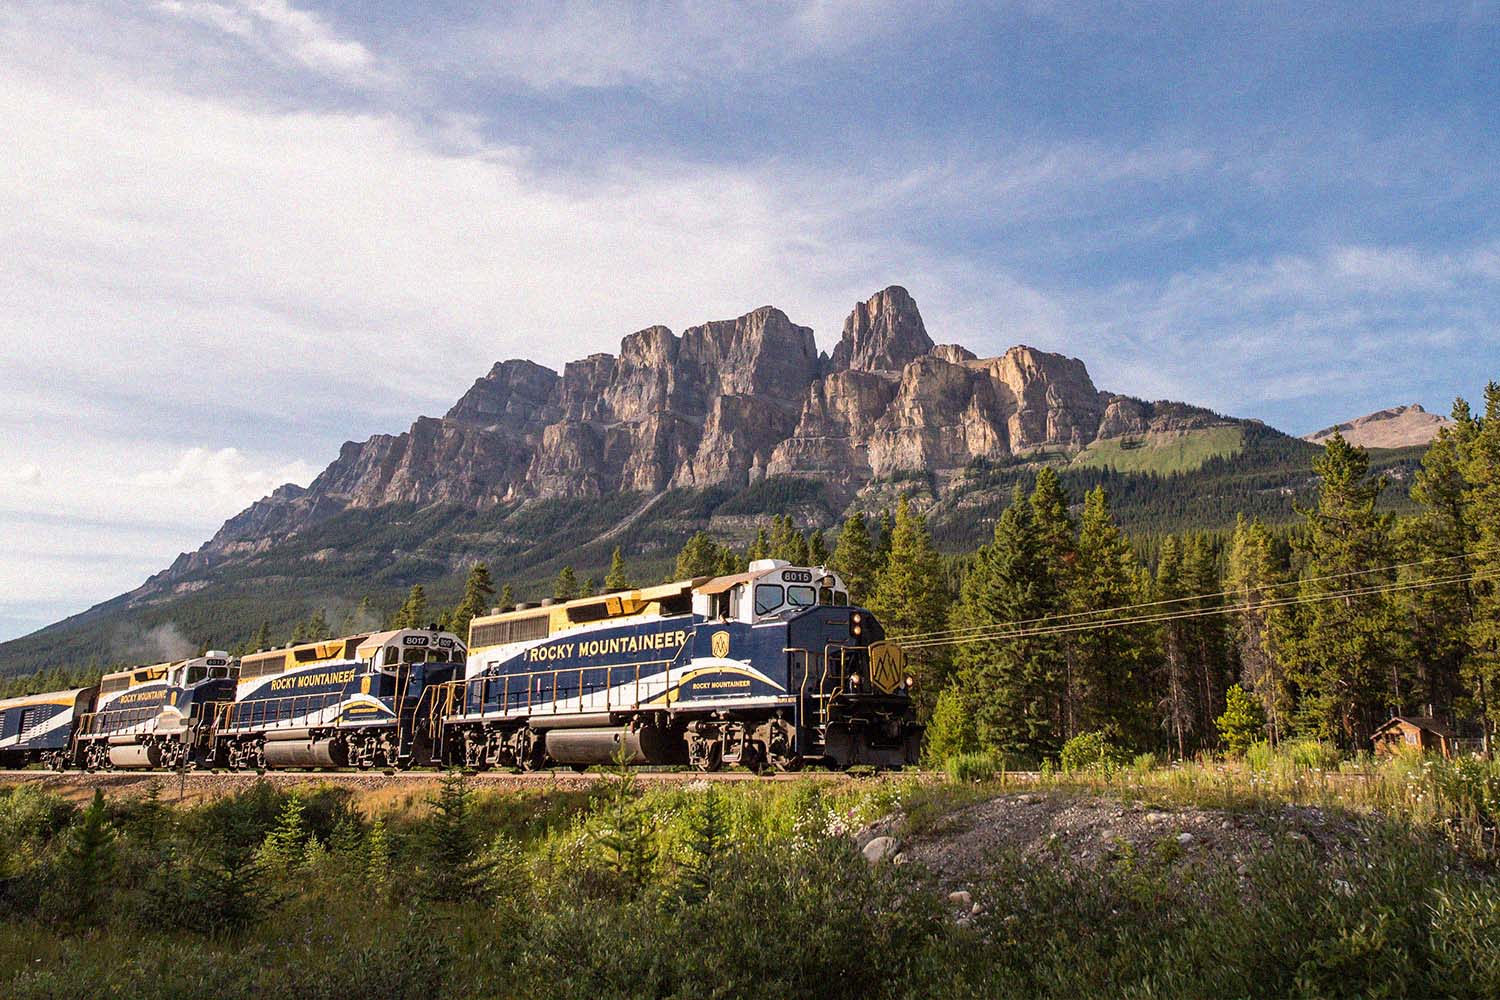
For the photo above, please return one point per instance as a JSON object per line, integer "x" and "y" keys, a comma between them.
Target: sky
{"x": 236, "y": 233}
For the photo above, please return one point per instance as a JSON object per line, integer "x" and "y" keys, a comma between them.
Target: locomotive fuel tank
{"x": 642, "y": 745}
{"x": 296, "y": 748}
{"x": 134, "y": 755}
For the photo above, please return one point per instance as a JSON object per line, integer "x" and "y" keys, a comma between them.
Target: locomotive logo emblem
{"x": 887, "y": 662}
{"x": 720, "y": 644}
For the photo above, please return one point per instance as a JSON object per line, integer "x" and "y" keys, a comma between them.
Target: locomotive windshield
{"x": 801, "y": 597}
{"x": 768, "y": 597}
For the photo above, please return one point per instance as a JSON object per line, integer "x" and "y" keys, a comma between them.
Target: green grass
{"x": 710, "y": 891}
{"x": 1163, "y": 453}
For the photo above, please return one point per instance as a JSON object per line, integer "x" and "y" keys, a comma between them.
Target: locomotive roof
{"x": 43, "y": 698}
{"x": 375, "y": 641}
{"x": 621, "y": 601}
{"x": 156, "y": 671}
{"x": 719, "y": 584}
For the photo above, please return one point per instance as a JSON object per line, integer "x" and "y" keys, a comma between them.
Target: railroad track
{"x": 199, "y": 784}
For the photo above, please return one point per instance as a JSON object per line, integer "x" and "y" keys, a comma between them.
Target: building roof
{"x": 1425, "y": 722}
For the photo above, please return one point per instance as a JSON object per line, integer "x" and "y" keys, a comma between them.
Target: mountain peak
{"x": 1394, "y": 427}
{"x": 882, "y": 334}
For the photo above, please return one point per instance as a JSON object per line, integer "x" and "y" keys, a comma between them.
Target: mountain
{"x": 718, "y": 427}
{"x": 1397, "y": 427}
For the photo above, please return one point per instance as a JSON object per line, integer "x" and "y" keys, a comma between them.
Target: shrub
{"x": 951, "y": 730}
{"x": 1243, "y": 721}
{"x": 972, "y": 767}
{"x": 1093, "y": 751}
{"x": 1310, "y": 753}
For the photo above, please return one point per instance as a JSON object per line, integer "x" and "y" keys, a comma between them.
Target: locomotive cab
{"x": 771, "y": 590}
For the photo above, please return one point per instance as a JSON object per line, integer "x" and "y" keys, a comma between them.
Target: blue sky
{"x": 235, "y": 233}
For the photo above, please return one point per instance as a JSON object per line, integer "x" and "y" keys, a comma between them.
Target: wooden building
{"x": 1414, "y": 732}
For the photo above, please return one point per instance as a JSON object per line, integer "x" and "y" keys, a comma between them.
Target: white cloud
{"x": 283, "y": 31}
{"x": 1353, "y": 325}
{"x": 28, "y": 474}
{"x": 575, "y": 44}
{"x": 225, "y": 472}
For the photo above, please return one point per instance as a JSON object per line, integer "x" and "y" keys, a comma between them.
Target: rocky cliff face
{"x": 725, "y": 403}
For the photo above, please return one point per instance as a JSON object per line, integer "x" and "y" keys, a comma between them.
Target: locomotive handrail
{"x": 232, "y": 714}
{"x": 511, "y": 699}
{"x": 88, "y": 721}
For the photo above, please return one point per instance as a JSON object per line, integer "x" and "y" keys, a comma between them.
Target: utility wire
{"x": 1063, "y": 616}
{"x": 1011, "y": 631}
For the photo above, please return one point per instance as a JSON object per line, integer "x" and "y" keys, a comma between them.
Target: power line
{"x": 920, "y": 637}
{"x": 1010, "y": 630}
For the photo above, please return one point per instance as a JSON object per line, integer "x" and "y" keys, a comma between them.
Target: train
{"x": 770, "y": 669}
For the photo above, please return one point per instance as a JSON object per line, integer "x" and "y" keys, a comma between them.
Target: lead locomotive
{"x": 772, "y": 667}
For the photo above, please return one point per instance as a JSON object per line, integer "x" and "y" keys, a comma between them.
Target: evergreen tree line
{"x": 1361, "y": 617}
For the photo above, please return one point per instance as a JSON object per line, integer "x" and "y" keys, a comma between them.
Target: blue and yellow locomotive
{"x": 361, "y": 701}
{"x": 155, "y": 716}
{"x": 768, "y": 668}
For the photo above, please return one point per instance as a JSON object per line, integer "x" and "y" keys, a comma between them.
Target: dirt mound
{"x": 1091, "y": 831}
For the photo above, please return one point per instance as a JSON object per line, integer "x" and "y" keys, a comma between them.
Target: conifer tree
{"x": 699, "y": 557}
{"x": 283, "y": 848}
{"x": 628, "y": 840}
{"x": 455, "y": 869}
{"x": 1110, "y": 662}
{"x": 226, "y": 891}
{"x": 590, "y": 587}
{"x": 817, "y": 549}
{"x": 787, "y": 542}
{"x": 951, "y": 729}
{"x": 1346, "y": 661}
{"x": 708, "y": 842}
{"x": 479, "y": 591}
{"x": 1243, "y": 722}
{"x": 761, "y": 547}
{"x": 1175, "y": 708}
{"x": 262, "y": 638}
{"x": 347, "y": 840}
{"x": 885, "y": 531}
{"x": 1058, "y": 537}
{"x": 566, "y": 586}
{"x": 729, "y": 562}
{"x": 1438, "y": 544}
{"x": 90, "y": 860}
{"x": 1009, "y": 684}
{"x": 911, "y": 596}
{"x": 1207, "y": 636}
{"x": 413, "y": 612}
{"x": 854, "y": 558}
{"x": 616, "y": 578}
{"x": 507, "y": 597}
{"x": 317, "y": 626}
{"x": 378, "y": 855}
{"x": 1482, "y": 499}
{"x": 1255, "y": 577}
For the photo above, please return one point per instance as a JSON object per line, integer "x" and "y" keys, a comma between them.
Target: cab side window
{"x": 768, "y": 597}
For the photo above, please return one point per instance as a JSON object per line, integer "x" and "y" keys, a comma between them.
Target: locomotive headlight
{"x": 856, "y": 626}
{"x": 911, "y": 682}
{"x": 854, "y": 682}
